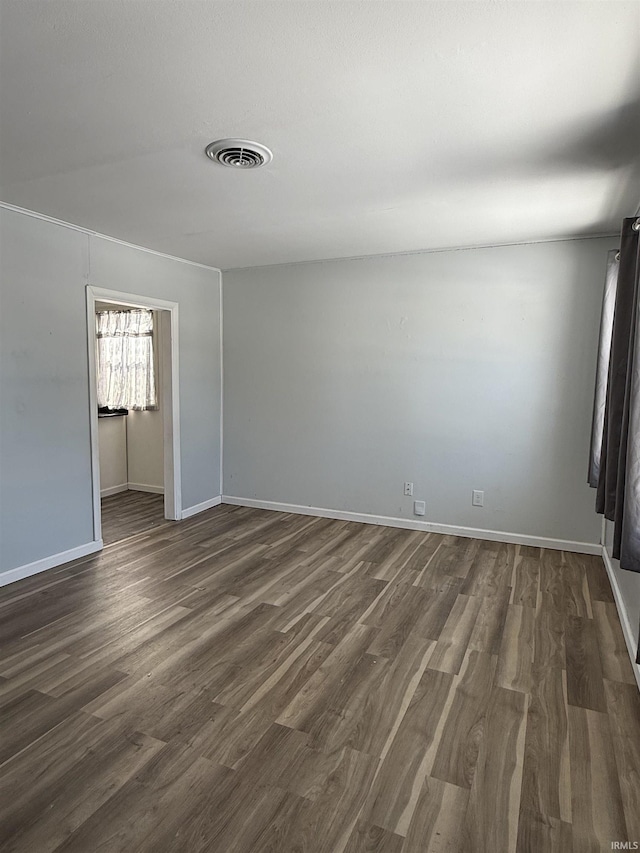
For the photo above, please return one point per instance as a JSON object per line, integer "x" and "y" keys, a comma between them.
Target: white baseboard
{"x": 134, "y": 487}
{"x": 622, "y": 613}
{"x": 194, "y": 510}
{"x": 113, "y": 490}
{"x": 29, "y": 569}
{"x": 428, "y": 526}
{"x": 144, "y": 487}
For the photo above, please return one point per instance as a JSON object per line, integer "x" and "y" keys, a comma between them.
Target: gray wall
{"x": 45, "y": 455}
{"x": 457, "y": 370}
{"x": 118, "y": 267}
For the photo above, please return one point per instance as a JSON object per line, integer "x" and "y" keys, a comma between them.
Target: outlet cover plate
{"x": 419, "y": 508}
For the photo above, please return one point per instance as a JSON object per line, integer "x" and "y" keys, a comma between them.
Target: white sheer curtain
{"x": 126, "y": 378}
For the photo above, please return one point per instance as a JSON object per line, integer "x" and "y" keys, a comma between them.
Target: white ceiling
{"x": 395, "y": 126}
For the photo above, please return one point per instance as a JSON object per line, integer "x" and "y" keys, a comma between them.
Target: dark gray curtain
{"x": 616, "y": 428}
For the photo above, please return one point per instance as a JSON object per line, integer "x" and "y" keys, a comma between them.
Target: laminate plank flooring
{"x": 127, "y": 513}
{"x": 254, "y": 681}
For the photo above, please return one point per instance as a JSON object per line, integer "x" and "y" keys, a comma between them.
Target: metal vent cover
{"x": 238, "y": 153}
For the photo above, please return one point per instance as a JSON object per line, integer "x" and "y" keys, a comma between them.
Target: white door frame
{"x": 169, "y": 400}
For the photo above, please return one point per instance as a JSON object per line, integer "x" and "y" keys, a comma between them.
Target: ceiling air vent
{"x": 238, "y": 153}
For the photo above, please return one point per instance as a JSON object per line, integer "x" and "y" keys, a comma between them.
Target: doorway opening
{"x": 135, "y": 458}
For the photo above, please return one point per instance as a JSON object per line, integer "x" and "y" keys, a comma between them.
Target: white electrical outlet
{"x": 477, "y": 498}
{"x": 408, "y": 489}
{"x": 419, "y": 508}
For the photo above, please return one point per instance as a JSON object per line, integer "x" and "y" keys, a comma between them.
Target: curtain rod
{"x": 636, "y": 227}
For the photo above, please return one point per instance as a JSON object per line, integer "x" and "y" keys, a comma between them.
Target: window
{"x": 126, "y": 376}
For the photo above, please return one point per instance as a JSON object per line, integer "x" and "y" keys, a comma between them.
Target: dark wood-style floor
{"x": 127, "y": 513}
{"x": 251, "y": 681}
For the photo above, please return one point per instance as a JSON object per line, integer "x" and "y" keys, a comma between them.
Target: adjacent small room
{"x": 130, "y": 419}
{"x": 319, "y": 426}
